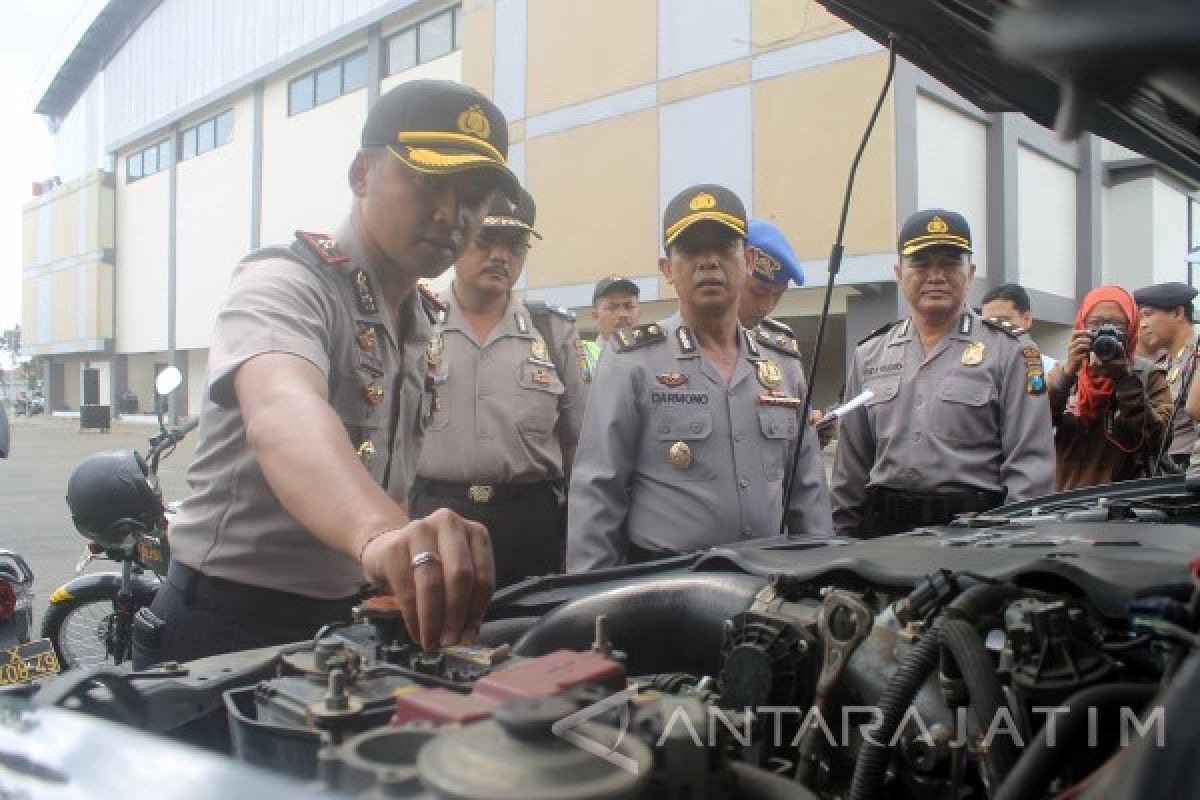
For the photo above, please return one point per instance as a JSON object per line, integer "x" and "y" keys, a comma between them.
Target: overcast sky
{"x": 38, "y": 35}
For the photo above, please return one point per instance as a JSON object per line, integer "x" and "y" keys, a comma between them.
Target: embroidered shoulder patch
{"x": 323, "y": 247}
{"x": 639, "y": 337}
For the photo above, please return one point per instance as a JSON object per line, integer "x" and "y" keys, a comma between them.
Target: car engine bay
{"x": 1037, "y": 650}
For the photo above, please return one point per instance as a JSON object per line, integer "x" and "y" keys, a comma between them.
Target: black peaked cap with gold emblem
{"x": 506, "y": 215}
{"x": 705, "y": 201}
{"x": 441, "y": 127}
{"x": 934, "y": 227}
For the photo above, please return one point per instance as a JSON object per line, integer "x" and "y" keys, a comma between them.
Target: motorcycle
{"x": 20, "y": 660}
{"x": 90, "y": 618}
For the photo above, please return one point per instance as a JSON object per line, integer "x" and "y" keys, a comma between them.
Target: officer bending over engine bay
{"x": 692, "y": 422}
{"x": 319, "y": 394}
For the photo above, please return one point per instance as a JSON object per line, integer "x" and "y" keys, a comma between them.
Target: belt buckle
{"x": 481, "y": 493}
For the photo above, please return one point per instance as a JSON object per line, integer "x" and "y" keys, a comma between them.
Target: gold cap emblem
{"x": 475, "y": 122}
{"x": 680, "y": 455}
{"x": 703, "y": 202}
{"x": 937, "y": 225}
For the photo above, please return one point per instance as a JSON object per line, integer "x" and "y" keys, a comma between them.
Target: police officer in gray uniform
{"x": 319, "y": 392}
{"x": 688, "y": 438}
{"x": 1166, "y": 311}
{"x": 959, "y": 421}
{"x": 510, "y": 382}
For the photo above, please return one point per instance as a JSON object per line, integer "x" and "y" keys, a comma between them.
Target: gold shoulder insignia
{"x": 1005, "y": 326}
{"x": 639, "y": 337}
{"x": 779, "y": 342}
{"x": 435, "y": 309}
{"x": 323, "y": 247}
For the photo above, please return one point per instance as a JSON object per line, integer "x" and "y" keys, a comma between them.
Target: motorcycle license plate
{"x": 150, "y": 553}
{"x": 28, "y": 661}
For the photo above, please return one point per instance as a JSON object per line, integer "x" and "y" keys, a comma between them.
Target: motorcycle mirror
{"x": 168, "y": 381}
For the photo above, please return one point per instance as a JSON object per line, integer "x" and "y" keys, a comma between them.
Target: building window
{"x": 327, "y": 82}
{"x": 148, "y": 160}
{"x": 423, "y": 41}
{"x": 204, "y": 136}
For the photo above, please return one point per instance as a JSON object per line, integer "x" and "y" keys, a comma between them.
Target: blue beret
{"x": 776, "y": 263}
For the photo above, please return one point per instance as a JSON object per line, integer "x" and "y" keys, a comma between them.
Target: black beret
{"x": 1165, "y": 295}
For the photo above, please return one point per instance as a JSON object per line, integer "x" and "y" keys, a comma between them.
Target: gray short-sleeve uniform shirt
{"x": 319, "y": 300}
{"x": 509, "y": 407}
{"x": 672, "y": 459}
{"x": 970, "y": 414}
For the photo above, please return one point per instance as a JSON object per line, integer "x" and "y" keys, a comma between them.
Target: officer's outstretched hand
{"x": 443, "y": 599}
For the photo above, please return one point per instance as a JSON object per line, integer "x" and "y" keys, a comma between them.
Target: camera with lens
{"x": 1109, "y": 342}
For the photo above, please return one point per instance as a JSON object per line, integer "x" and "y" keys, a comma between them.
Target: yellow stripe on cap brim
{"x": 509, "y": 222}
{"x": 432, "y": 162}
{"x": 456, "y": 140}
{"x": 737, "y": 224}
{"x": 919, "y": 243}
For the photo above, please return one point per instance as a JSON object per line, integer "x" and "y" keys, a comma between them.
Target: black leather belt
{"x": 929, "y": 508}
{"x": 219, "y": 594}
{"x": 484, "y": 493}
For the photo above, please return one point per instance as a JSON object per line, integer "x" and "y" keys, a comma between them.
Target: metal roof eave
{"x": 107, "y": 33}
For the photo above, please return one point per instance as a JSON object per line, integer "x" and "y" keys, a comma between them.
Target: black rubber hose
{"x": 916, "y": 668}
{"x": 971, "y": 606}
{"x": 754, "y": 783}
{"x": 1042, "y": 762}
{"x": 985, "y": 696}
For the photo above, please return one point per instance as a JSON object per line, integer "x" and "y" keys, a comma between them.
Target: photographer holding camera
{"x": 1109, "y": 406}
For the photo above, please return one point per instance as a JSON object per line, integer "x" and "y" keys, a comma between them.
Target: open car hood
{"x": 1129, "y": 72}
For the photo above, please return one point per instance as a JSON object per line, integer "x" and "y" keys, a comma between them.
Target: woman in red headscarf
{"x": 1110, "y": 407}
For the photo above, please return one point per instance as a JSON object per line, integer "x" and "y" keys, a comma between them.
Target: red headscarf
{"x": 1094, "y": 392}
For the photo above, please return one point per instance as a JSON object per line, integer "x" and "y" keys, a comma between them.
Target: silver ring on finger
{"x": 424, "y": 557}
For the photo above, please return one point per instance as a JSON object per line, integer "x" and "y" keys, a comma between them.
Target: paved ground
{"x": 34, "y": 520}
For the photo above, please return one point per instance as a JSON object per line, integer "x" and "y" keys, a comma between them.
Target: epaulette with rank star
{"x": 1015, "y": 331}
{"x": 540, "y": 309}
{"x": 775, "y": 326}
{"x": 435, "y": 309}
{"x": 639, "y": 337}
{"x": 774, "y": 337}
{"x": 880, "y": 331}
{"x": 323, "y": 247}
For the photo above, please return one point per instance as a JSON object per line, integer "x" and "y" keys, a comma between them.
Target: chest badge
{"x": 680, "y": 455}
{"x": 672, "y": 379}
{"x": 366, "y": 454}
{"x": 541, "y": 377}
{"x": 769, "y": 374}
{"x": 434, "y": 350}
{"x": 367, "y": 339}
{"x": 972, "y": 355}
{"x": 373, "y": 393}
{"x": 539, "y": 350}
{"x": 364, "y": 294}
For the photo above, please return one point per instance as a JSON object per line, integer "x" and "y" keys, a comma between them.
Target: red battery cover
{"x": 544, "y": 676}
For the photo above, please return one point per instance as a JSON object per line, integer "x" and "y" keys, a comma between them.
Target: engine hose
{"x": 984, "y": 693}
{"x": 971, "y": 606}
{"x": 918, "y": 665}
{"x": 1042, "y": 761}
{"x": 754, "y": 783}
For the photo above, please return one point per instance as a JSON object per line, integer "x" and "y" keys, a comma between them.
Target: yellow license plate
{"x": 28, "y": 661}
